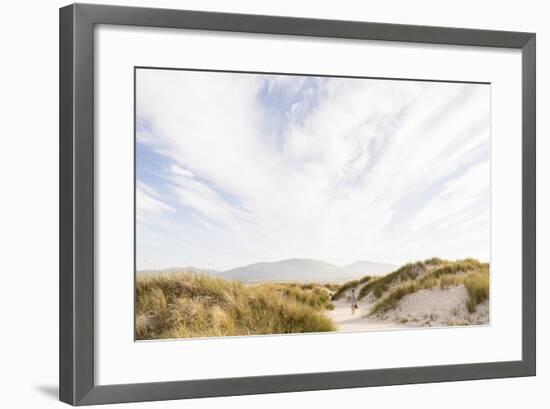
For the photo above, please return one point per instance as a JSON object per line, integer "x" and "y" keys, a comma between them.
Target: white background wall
{"x": 29, "y": 200}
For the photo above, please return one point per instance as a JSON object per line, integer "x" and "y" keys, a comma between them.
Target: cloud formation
{"x": 238, "y": 168}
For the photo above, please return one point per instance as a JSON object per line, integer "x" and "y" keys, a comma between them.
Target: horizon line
{"x": 290, "y": 259}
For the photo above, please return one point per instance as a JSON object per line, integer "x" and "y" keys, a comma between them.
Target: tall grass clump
{"x": 477, "y": 285}
{"x": 180, "y": 305}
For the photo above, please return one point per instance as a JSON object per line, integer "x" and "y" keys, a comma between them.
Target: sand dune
{"x": 424, "y": 294}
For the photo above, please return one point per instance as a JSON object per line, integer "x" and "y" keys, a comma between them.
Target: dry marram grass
{"x": 182, "y": 305}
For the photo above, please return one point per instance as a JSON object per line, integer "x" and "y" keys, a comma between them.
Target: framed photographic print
{"x": 243, "y": 194}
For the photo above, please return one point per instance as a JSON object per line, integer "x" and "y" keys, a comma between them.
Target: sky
{"x": 236, "y": 168}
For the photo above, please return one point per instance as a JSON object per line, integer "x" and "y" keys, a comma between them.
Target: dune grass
{"x": 477, "y": 285}
{"x": 180, "y": 305}
{"x": 412, "y": 271}
{"x": 339, "y": 293}
{"x": 380, "y": 285}
{"x": 471, "y": 273}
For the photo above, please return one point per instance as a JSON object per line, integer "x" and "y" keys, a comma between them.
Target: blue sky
{"x": 238, "y": 168}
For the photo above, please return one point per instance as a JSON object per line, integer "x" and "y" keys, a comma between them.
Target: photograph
{"x": 283, "y": 203}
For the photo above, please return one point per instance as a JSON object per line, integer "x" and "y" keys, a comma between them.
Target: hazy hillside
{"x": 305, "y": 270}
{"x": 187, "y": 269}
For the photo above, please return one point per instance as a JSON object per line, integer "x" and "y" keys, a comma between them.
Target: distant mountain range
{"x": 296, "y": 269}
{"x": 192, "y": 270}
{"x": 305, "y": 270}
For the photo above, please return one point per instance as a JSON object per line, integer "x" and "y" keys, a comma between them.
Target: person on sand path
{"x": 353, "y": 301}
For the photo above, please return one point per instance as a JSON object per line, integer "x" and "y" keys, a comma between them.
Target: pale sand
{"x": 425, "y": 308}
{"x": 438, "y": 307}
{"x": 346, "y": 322}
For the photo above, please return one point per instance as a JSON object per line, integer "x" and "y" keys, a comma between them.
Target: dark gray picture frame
{"x": 76, "y": 257}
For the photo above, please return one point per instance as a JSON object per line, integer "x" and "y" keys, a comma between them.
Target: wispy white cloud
{"x": 269, "y": 167}
{"x": 149, "y": 203}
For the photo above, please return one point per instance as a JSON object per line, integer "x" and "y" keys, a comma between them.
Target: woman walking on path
{"x": 353, "y": 302}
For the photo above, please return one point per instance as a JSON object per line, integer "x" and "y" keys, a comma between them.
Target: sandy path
{"x": 346, "y": 322}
